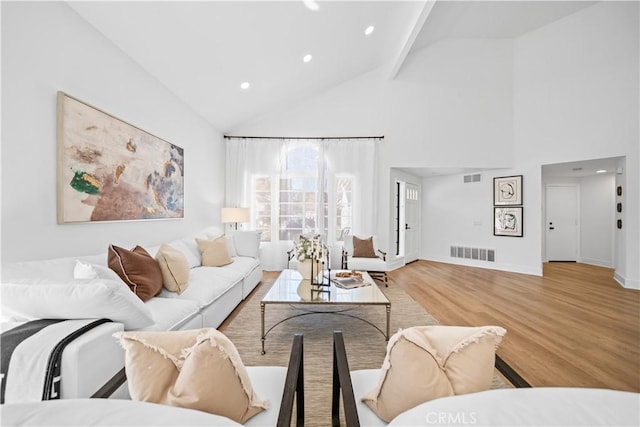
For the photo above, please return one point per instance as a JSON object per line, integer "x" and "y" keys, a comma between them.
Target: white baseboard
{"x": 523, "y": 269}
{"x": 629, "y": 284}
{"x": 597, "y": 262}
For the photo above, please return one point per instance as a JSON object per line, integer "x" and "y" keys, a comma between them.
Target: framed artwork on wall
{"x": 508, "y": 221}
{"x": 507, "y": 190}
{"x": 110, "y": 170}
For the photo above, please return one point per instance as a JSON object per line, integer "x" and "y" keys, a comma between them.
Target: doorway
{"x": 562, "y": 222}
{"x": 407, "y": 224}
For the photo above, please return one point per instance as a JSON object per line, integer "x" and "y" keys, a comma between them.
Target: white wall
{"x": 458, "y": 115}
{"x": 47, "y": 47}
{"x": 459, "y": 214}
{"x": 576, "y": 94}
{"x": 565, "y": 92}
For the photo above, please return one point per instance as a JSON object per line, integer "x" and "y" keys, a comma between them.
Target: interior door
{"x": 412, "y": 223}
{"x": 562, "y": 223}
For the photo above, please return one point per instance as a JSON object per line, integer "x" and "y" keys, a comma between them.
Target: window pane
{"x": 303, "y": 158}
{"x": 262, "y": 207}
{"x": 262, "y": 184}
{"x": 344, "y": 206}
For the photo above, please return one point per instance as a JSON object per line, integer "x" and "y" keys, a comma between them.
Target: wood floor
{"x": 575, "y": 326}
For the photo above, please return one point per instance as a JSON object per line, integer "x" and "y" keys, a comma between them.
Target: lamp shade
{"x": 235, "y": 215}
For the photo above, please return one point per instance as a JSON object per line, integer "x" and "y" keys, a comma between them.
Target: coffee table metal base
{"x": 307, "y": 312}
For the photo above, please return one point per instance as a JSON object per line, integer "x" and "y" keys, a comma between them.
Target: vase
{"x": 304, "y": 267}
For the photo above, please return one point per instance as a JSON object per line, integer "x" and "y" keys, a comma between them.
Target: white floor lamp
{"x": 235, "y": 215}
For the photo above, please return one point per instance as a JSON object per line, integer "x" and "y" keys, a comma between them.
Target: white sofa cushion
{"x": 247, "y": 243}
{"x": 367, "y": 264}
{"x": 29, "y": 299}
{"x": 206, "y": 284}
{"x": 171, "y": 313}
{"x": 106, "y": 412}
{"x": 244, "y": 264}
{"x": 55, "y": 269}
{"x": 189, "y": 249}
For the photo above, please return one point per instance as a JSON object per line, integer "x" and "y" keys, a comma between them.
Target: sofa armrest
{"x": 342, "y": 381}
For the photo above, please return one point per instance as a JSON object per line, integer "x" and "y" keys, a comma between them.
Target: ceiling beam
{"x": 427, "y": 7}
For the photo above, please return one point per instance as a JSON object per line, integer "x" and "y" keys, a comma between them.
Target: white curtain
{"x": 247, "y": 158}
{"x": 357, "y": 157}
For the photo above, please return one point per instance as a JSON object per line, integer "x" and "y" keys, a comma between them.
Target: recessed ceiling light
{"x": 601, "y": 171}
{"x": 245, "y": 85}
{"x": 307, "y": 57}
{"x": 369, "y": 30}
{"x": 311, "y": 4}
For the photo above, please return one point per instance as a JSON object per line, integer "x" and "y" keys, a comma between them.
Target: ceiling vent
{"x": 467, "y": 179}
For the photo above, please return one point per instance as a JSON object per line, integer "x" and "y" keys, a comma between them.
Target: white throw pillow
{"x": 247, "y": 243}
{"x": 85, "y": 270}
{"x": 29, "y": 299}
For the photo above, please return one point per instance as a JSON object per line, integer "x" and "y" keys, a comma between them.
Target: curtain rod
{"x": 302, "y": 137}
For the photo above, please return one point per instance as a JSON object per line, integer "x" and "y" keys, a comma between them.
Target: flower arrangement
{"x": 310, "y": 248}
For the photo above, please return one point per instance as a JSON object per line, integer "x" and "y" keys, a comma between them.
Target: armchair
{"x": 521, "y": 405}
{"x": 279, "y": 385}
{"x": 352, "y": 385}
{"x": 375, "y": 263}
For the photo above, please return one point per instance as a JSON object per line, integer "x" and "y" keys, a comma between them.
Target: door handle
{"x": 406, "y": 227}
{"x": 552, "y": 228}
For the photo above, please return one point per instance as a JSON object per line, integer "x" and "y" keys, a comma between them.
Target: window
{"x": 300, "y": 201}
{"x": 262, "y": 206}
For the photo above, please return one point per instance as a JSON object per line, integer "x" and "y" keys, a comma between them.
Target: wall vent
{"x": 467, "y": 179}
{"x": 481, "y": 254}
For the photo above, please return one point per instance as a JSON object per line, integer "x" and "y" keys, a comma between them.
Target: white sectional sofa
{"x": 47, "y": 289}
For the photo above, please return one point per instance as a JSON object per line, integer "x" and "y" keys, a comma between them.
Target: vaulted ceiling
{"x": 203, "y": 50}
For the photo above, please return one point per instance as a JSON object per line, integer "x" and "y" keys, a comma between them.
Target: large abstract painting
{"x": 109, "y": 170}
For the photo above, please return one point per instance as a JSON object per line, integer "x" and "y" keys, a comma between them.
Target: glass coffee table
{"x": 290, "y": 288}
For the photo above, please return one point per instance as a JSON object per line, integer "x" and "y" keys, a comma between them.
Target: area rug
{"x": 365, "y": 345}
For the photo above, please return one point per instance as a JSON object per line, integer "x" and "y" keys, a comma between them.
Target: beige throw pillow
{"x": 215, "y": 253}
{"x": 363, "y": 248}
{"x": 427, "y": 362}
{"x": 174, "y": 267}
{"x": 198, "y": 369}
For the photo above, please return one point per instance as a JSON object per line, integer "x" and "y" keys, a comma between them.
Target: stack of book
{"x": 348, "y": 279}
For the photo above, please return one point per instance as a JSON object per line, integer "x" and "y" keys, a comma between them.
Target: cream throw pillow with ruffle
{"x": 427, "y": 362}
{"x": 198, "y": 369}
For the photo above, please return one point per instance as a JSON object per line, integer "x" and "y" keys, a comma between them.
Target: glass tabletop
{"x": 291, "y": 288}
